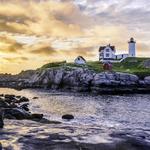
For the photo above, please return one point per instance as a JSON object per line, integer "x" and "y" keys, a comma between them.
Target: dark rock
{"x": 36, "y": 116}
{"x": 10, "y": 101}
{"x": 18, "y": 88}
{"x": 23, "y": 99}
{"x": 25, "y": 106}
{"x": 11, "y": 97}
{"x": 1, "y": 118}
{"x": 18, "y": 96}
{"x": 16, "y": 113}
{"x": 3, "y": 104}
{"x": 35, "y": 97}
{"x": 46, "y": 121}
{"x": 68, "y": 117}
{"x": 1, "y": 95}
{"x": 0, "y": 146}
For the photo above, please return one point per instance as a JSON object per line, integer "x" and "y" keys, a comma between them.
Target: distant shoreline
{"x": 78, "y": 80}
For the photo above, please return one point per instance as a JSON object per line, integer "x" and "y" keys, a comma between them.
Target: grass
{"x": 129, "y": 65}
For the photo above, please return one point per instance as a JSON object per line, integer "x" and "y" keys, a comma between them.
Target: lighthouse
{"x": 132, "y": 48}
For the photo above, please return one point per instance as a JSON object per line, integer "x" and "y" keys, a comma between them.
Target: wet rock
{"x": 35, "y": 98}
{"x": 3, "y": 104}
{"x": 18, "y": 96}
{"x": 10, "y": 101}
{"x": 1, "y": 118}
{"x": 16, "y": 113}
{"x": 68, "y": 117}
{"x": 11, "y": 97}
{"x": 37, "y": 116}
{"x": 46, "y": 121}
{"x": 23, "y": 99}
{"x": 0, "y": 146}
{"x": 25, "y": 106}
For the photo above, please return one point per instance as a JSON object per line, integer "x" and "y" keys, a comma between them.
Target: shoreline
{"x": 77, "y": 80}
{"x": 99, "y": 91}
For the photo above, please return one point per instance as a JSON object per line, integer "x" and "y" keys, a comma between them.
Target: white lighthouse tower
{"x": 132, "y": 48}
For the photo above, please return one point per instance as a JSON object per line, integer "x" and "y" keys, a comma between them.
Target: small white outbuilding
{"x": 80, "y": 60}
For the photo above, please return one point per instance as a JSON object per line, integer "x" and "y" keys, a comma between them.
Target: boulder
{"x": 16, "y": 113}
{"x": 133, "y": 78}
{"x": 10, "y": 96}
{"x": 25, "y": 106}
{"x": 142, "y": 82}
{"x": 35, "y": 98}
{"x": 68, "y": 117}
{"x": 18, "y": 96}
{"x": 23, "y": 99}
{"x": 1, "y": 95}
{"x": 110, "y": 76}
{"x": 58, "y": 77}
{"x": 122, "y": 76}
{"x": 3, "y": 104}
{"x": 0, "y": 146}
{"x": 147, "y": 80}
{"x": 37, "y": 116}
{"x": 1, "y": 118}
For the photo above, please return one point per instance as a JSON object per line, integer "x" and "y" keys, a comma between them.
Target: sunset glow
{"x": 34, "y": 32}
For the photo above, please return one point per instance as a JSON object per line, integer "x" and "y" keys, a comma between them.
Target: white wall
{"x": 79, "y": 61}
{"x": 132, "y": 49}
{"x": 120, "y": 56}
{"x": 108, "y": 53}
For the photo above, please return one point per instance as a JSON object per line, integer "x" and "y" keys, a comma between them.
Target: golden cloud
{"x": 46, "y": 18}
{"x": 42, "y": 49}
{"x": 15, "y": 59}
{"x": 9, "y": 45}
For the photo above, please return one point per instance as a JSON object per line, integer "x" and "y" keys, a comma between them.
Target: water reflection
{"x": 96, "y": 117}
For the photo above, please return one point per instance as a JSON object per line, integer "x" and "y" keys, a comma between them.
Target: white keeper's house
{"x": 108, "y": 53}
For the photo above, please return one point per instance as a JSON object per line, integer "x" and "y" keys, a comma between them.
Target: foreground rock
{"x": 56, "y": 142}
{"x": 77, "y": 79}
{"x": 1, "y": 119}
{"x": 68, "y": 117}
{"x": 11, "y": 107}
{"x": 0, "y": 146}
{"x": 16, "y": 113}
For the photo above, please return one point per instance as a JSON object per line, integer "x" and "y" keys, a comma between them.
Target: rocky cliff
{"x": 77, "y": 79}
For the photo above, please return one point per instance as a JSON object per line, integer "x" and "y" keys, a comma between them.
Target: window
{"x": 107, "y": 50}
{"x": 107, "y": 55}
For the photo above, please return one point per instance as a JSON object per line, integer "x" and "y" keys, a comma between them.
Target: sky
{"x": 36, "y": 32}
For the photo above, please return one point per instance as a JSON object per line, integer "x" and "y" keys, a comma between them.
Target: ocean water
{"x": 98, "y": 119}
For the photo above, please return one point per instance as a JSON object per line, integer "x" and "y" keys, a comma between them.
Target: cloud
{"x": 45, "y": 18}
{"x": 15, "y": 59}
{"x": 42, "y": 49}
{"x": 9, "y": 45}
{"x": 34, "y": 31}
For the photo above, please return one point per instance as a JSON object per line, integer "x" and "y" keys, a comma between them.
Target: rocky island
{"x": 77, "y": 79}
{"x": 130, "y": 76}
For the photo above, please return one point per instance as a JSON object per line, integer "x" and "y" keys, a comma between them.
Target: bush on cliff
{"x": 129, "y": 65}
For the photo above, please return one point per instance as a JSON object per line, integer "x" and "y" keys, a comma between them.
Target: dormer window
{"x": 107, "y": 50}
